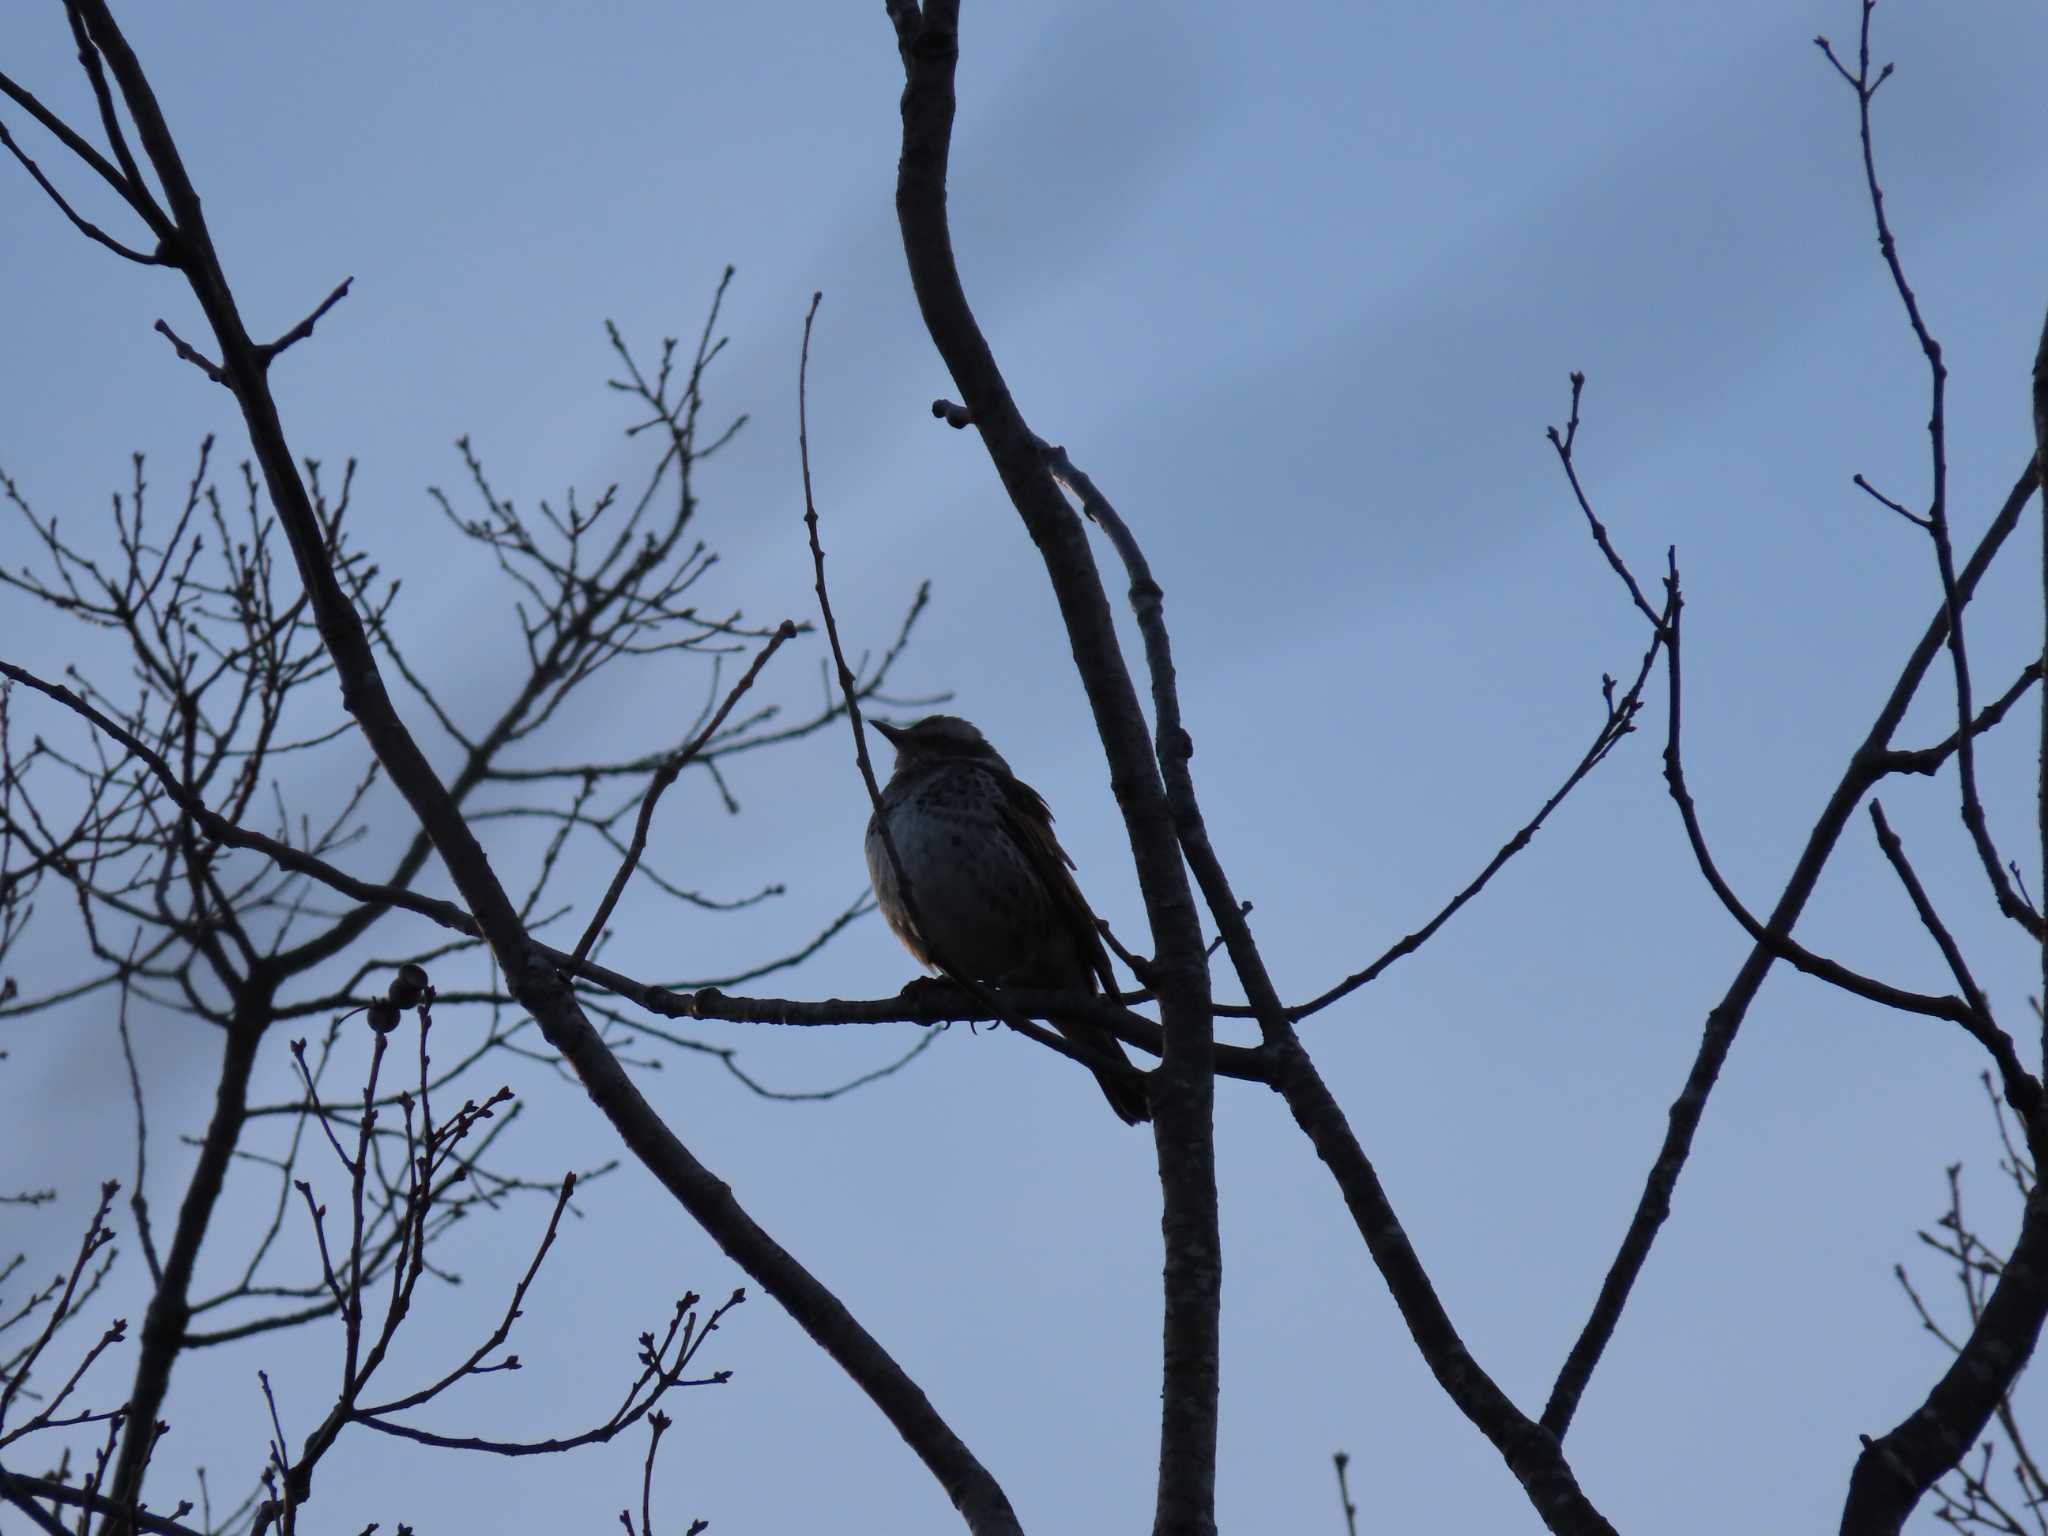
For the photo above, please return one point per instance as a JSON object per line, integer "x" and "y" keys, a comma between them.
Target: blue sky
{"x": 1301, "y": 295}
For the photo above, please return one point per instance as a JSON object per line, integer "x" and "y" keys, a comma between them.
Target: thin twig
{"x": 1564, "y": 442}
{"x": 1936, "y": 521}
{"x": 84, "y": 225}
{"x": 1343, "y": 1461}
{"x": 267, "y": 354}
{"x": 191, "y": 355}
{"x": 664, "y": 776}
{"x": 2021, "y": 1089}
{"x": 1620, "y": 722}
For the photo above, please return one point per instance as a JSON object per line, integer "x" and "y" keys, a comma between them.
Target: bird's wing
{"x": 1029, "y": 823}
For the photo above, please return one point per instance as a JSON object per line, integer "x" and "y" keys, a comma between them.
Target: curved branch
{"x": 82, "y": 224}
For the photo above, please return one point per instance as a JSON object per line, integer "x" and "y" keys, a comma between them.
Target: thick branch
{"x": 1896, "y": 1469}
{"x": 2040, "y": 403}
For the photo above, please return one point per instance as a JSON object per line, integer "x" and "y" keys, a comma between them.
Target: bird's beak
{"x": 892, "y": 733}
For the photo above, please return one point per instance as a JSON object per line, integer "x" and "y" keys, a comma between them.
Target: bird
{"x": 994, "y": 890}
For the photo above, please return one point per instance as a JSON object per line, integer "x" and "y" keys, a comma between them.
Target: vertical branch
{"x": 1183, "y": 1100}
{"x": 2041, "y": 776}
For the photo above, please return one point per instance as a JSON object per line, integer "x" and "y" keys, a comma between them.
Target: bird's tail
{"x": 1126, "y": 1095}
{"x": 1122, "y": 1083}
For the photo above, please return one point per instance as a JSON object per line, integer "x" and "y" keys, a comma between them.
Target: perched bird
{"x": 991, "y": 883}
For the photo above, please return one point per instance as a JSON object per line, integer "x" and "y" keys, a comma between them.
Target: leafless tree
{"x": 214, "y": 707}
{"x": 412, "y": 1202}
{"x": 1183, "y": 880}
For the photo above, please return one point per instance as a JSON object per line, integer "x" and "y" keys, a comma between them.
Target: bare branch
{"x": 1620, "y": 722}
{"x": 1927, "y": 760}
{"x": 267, "y": 354}
{"x": 83, "y": 225}
{"x": 132, "y": 192}
{"x": 1343, "y": 1462}
{"x": 1564, "y": 442}
{"x": 2021, "y": 1090}
{"x": 186, "y": 351}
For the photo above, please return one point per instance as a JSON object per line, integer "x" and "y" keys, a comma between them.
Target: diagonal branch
{"x": 2021, "y": 1090}
{"x": 1565, "y": 442}
{"x": 267, "y": 353}
{"x": 82, "y": 224}
{"x": 1928, "y": 760}
{"x": 132, "y": 193}
{"x": 1620, "y": 722}
{"x": 1530, "y": 1450}
{"x": 191, "y": 354}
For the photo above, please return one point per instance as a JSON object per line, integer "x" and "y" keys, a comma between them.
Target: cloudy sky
{"x": 1301, "y": 291}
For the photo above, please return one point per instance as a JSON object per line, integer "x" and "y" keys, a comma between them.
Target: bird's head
{"x": 937, "y": 739}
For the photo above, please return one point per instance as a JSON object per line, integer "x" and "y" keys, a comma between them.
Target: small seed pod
{"x": 408, "y": 986}
{"x": 383, "y": 1017}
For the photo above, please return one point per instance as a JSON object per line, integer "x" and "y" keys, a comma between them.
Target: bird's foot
{"x": 935, "y": 995}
